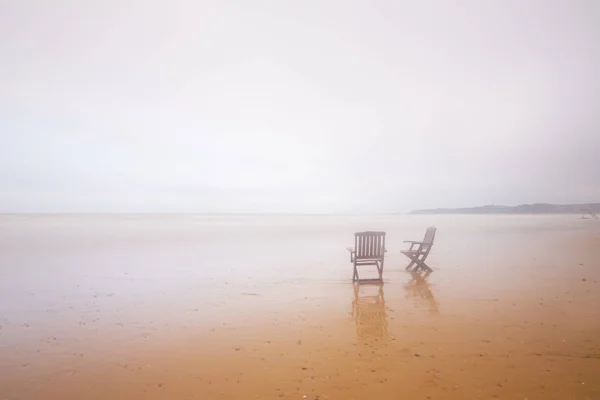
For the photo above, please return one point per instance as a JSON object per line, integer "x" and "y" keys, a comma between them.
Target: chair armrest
{"x": 352, "y": 253}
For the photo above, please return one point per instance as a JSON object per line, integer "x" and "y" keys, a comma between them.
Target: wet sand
{"x": 195, "y": 307}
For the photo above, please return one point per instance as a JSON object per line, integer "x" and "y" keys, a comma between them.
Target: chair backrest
{"x": 429, "y": 237}
{"x": 369, "y": 244}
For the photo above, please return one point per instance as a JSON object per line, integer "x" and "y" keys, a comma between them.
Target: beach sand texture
{"x": 263, "y": 307}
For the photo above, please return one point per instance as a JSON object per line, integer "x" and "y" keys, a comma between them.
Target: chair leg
{"x": 421, "y": 264}
{"x": 424, "y": 266}
{"x": 414, "y": 260}
{"x": 355, "y": 274}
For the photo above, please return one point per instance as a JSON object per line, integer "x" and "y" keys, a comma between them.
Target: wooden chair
{"x": 369, "y": 249}
{"x": 419, "y": 251}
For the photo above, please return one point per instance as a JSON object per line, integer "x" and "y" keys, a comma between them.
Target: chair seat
{"x": 359, "y": 260}
{"x": 412, "y": 252}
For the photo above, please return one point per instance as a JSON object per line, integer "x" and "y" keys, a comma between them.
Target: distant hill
{"x": 538, "y": 208}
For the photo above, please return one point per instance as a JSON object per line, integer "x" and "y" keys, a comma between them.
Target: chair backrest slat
{"x": 369, "y": 244}
{"x": 374, "y": 248}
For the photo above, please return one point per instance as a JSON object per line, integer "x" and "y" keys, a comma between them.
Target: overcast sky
{"x": 297, "y": 106}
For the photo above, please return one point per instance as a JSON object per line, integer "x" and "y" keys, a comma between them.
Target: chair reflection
{"x": 369, "y": 312}
{"x": 418, "y": 289}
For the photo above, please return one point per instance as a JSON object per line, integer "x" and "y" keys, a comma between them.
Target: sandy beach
{"x": 128, "y": 307}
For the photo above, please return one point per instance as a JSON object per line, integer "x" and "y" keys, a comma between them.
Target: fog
{"x": 311, "y": 106}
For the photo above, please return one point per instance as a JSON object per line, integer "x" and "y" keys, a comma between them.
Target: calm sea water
{"x": 59, "y": 270}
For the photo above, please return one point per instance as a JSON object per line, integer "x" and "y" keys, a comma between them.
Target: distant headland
{"x": 592, "y": 209}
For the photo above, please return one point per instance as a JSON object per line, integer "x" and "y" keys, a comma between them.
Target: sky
{"x": 297, "y": 106}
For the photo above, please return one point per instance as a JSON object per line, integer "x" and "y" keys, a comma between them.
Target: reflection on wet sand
{"x": 418, "y": 290}
{"x": 369, "y": 312}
